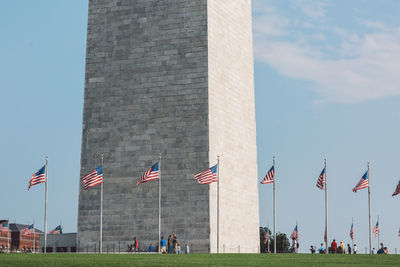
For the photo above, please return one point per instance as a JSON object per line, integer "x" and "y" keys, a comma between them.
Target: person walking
{"x": 135, "y": 245}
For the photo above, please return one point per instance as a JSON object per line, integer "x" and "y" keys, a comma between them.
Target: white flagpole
{"x": 101, "y": 207}
{"x": 217, "y": 204}
{"x": 369, "y": 211}
{"x": 379, "y": 230}
{"x": 352, "y": 240}
{"x": 159, "y": 206}
{"x": 45, "y": 206}
{"x": 326, "y": 209}
{"x": 274, "y": 196}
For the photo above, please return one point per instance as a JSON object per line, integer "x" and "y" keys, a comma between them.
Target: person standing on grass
{"x": 174, "y": 244}
{"x": 342, "y": 247}
{"x": 162, "y": 246}
{"x": 151, "y": 248}
{"x": 334, "y": 246}
{"x": 169, "y": 244}
{"x": 187, "y": 249}
{"x": 348, "y": 249}
{"x": 355, "y": 249}
{"x": 135, "y": 245}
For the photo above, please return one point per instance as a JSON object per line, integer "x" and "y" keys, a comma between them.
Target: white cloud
{"x": 312, "y": 9}
{"x": 365, "y": 66}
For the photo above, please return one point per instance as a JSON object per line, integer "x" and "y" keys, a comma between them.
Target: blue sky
{"x": 326, "y": 85}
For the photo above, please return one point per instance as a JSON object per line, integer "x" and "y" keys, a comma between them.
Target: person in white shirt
{"x": 355, "y": 249}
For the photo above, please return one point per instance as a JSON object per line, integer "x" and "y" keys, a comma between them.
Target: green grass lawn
{"x": 197, "y": 260}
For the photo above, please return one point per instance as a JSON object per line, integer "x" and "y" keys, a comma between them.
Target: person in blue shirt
{"x": 163, "y": 246}
{"x": 151, "y": 248}
{"x": 321, "y": 250}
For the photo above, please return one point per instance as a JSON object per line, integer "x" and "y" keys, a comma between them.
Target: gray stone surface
{"x": 147, "y": 92}
{"x": 67, "y": 240}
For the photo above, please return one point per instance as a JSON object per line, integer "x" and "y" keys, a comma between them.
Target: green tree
{"x": 263, "y": 246}
{"x": 282, "y": 242}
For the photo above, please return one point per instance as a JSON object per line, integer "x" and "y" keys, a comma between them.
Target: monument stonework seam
{"x": 172, "y": 77}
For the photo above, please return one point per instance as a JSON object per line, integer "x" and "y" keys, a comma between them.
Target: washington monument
{"x": 173, "y": 77}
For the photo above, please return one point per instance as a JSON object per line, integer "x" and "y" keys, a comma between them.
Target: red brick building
{"x": 3, "y": 240}
{"x": 23, "y": 243}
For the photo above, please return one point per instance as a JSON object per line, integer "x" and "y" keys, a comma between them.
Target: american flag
{"x": 376, "y": 228}
{"x": 269, "y": 178}
{"x": 57, "y": 230}
{"x": 151, "y": 174}
{"x": 397, "y": 191}
{"x": 399, "y": 232}
{"x": 266, "y": 235}
{"x": 38, "y": 177}
{"x": 351, "y": 232}
{"x": 295, "y": 234}
{"x": 3, "y": 226}
{"x": 27, "y": 230}
{"x": 321, "y": 180}
{"x": 207, "y": 176}
{"x": 363, "y": 183}
{"x": 93, "y": 178}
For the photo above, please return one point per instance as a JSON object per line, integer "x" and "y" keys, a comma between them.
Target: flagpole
{"x": 369, "y": 211}
{"x": 101, "y": 208}
{"x": 352, "y": 239}
{"x": 218, "y": 204}
{"x": 34, "y": 236}
{"x": 45, "y": 206}
{"x": 159, "y": 205}
{"x": 268, "y": 238}
{"x": 326, "y": 209}
{"x": 274, "y": 196}
{"x": 379, "y": 230}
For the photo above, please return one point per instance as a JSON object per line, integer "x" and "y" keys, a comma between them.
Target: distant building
{"x": 23, "y": 243}
{"x": 59, "y": 242}
{"x": 3, "y": 240}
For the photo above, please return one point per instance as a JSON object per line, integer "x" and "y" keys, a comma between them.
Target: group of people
{"x": 171, "y": 246}
{"x": 341, "y": 249}
{"x": 382, "y": 250}
{"x": 335, "y": 248}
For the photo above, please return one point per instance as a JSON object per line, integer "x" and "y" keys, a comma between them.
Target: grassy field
{"x": 197, "y": 260}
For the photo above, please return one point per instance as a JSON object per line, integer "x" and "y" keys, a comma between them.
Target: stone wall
{"x": 146, "y": 93}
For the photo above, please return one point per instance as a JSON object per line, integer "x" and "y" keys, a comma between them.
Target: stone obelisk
{"x": 173, "y": 77}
